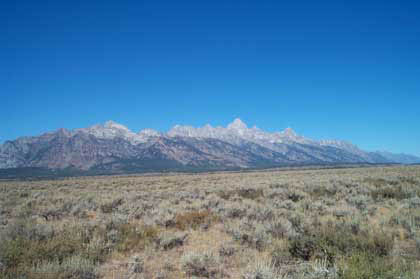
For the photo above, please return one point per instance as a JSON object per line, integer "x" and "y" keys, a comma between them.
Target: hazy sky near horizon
{"x": 328, "y": 69}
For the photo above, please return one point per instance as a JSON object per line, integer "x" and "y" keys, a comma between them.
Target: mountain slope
{"x": 400, "y": 158}
{"x": 113, "y": 147}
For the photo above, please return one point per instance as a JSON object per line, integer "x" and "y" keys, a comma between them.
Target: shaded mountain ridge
{"x": 112, "y": 146}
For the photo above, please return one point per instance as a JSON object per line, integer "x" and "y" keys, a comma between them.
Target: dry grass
{"x": 331, "y": 223}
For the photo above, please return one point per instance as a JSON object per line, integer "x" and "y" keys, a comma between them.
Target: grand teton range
{"x": 112, "y": 147}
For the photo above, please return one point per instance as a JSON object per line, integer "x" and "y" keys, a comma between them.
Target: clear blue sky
{"x": 329, "y": 69}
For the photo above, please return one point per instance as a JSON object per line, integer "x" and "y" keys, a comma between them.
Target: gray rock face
{"x": 112, "y": 146}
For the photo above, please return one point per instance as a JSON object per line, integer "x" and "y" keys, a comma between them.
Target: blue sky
{"x": 327, "y": 69}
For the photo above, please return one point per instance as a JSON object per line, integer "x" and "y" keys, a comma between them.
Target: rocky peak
{"x": 237, "y": 124}
{"x": 235, "y": 145}
{"x": 63, "y": 132}
{"x": 185, "y": 131}
{"x": 114, "y": 125}
{"x": 290, "y": 132}
{"x": 111, "y": 130}
{"x": 149, "y": 133}
{"x": 341, "y": 144}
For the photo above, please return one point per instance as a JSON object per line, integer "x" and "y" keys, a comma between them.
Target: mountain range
{"x": 113, "y": 148}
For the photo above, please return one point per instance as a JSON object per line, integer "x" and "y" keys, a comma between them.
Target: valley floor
{"x": 329, "y": 223}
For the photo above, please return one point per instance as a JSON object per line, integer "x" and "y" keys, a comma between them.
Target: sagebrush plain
{"x": 309, "y": 223}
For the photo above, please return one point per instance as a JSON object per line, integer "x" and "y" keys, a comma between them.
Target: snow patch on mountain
{"x": 112, "y": 130}
{"x": 235, "y": 145}
{"x": 237, "y": 131}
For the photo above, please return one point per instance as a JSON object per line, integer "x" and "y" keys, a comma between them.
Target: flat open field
{"x": 330, "y": 223}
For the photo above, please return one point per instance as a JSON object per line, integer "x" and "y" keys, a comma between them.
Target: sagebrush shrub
{"x": 200, "y": 264}
{"x": 135, "y": 237}
{"x": 261, "y": 270}
{"x": 74, "y": 267}
{"x": 329, "y": 241}
{"x": 169, "y": 240}
{"x": 365, "y": 265}
{"x": 194, "y": 219}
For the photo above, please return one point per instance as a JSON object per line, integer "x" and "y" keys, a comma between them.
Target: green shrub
{"x": 303, "y": 247}
{"x": 390, "y": 192}
{"x": 169, "y": 240}
{"x": 321, "y": 191}
{"x": 329, "y": 241}
{"x": 194, "y": 219}
{"x": 280, "y": 256}
{"x": 73, "y": 267}
{"x": 132, "y": 237}
{"x": 250, "y": 193}
{"x": 26, "y": 244}
{"x": 295, "y": 196}
{"x": 380, "y": 182}
{"x": 108, "y": 207}
{"x": 254, "y": 234}
{"x": 364, "y": 265}
{"x": 225, "y": 194}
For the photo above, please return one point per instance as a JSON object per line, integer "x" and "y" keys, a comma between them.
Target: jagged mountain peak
{"x": 237, "y": 124}
{"x": 111, "y": 130}
{"x": 289, "y": 132}
{"x": 233, "y": 146}
{"x": 290, "y": 135}
{"x": 114, "y": 125}
{"x": 63, "y": 131}
{"x": 179, "y": 130}
{"x": 149, "y": 133}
